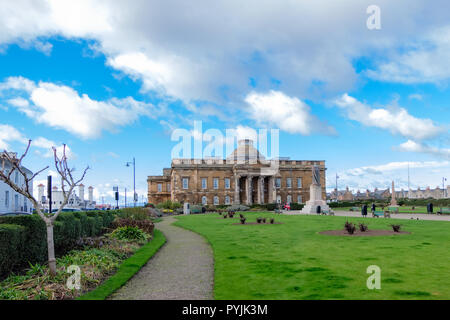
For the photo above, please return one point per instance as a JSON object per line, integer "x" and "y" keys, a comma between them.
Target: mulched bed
{"x": 253, "y": 223}
{"x": 368, "y": 233}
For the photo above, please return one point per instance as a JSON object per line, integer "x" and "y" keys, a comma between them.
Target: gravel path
{"x": 183, "y": 269}
{"x": 421, "y": 216}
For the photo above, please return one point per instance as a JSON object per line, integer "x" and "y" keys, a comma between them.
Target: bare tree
{"x": 68, "y": 184}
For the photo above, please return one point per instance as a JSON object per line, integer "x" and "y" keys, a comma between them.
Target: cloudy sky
{"x": 113, "y": 79}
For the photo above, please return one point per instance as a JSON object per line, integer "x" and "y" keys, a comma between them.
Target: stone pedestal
{"x": 315, "y": 200}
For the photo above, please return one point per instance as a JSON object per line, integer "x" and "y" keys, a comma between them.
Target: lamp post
{"x": 134, "y": 179}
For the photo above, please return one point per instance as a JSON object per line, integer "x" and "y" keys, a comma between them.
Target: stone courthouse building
{"x": 244, "y": 177}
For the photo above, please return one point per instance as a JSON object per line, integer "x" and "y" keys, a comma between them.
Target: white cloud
{"x": 397, "y": 120}
{"x": 422, "y": 174}
{"x": 425, "y": 61}
{"x": 287, "y": 113}
{"x": 412, "y": 146}
{"x": 209, "y": 51}
{"x": 9, "y": 134}
{"x": 62, "y": 107}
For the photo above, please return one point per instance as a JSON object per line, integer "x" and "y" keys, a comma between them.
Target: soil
{"x": 368, "y": 233}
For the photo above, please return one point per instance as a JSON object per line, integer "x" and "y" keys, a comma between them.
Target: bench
{"x": 393, "y": 209}
{"x": 444, "y": 211}
{"x": 328, "y": 212}
{"x": 384, "y": 214}
{"x": 355, "y": 209}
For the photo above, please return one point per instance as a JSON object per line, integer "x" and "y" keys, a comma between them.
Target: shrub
{"x": 225, "y": 216}
{"x": 35, "y": 250}
{"x": 237, "y": 207}
{"x": 68, "y": 228}
{"x": 272, "y": 220}
{"x": 396, "y": 227}
{"x": 263, "y": 220}
{"x": 134, "y": 213}
{"x": 259, "y": 220}
{"x": 363, "y": 227}
{"x": 243, "y": 220}
{"x": 129, "y": 233}
{"x": 12, "y": 243}
{"x": 169, "y": 205}
{"x": 350, "y": 227}
{"x": 145, "y": 225}
{"x": 297, "y": 206}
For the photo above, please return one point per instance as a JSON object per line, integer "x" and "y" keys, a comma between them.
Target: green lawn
{"x": 402, "y": 209}
{"x": 293, "y": 261}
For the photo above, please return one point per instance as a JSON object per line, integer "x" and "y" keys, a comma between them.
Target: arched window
{"x": 227, "y": 200}
{"x": 204, "y": 200}
{"x": 289, "y": 199}
{"x": 216, "y": 200}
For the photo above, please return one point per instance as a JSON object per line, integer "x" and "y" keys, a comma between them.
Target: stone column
{"x": 271, "y": 189}
{"x": 260, "y": 190}
{"x": 237, "y": 189}
{"x": 248, "y": 190}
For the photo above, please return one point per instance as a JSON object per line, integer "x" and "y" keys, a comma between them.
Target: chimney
{"x": 81, "y": 191}
{"x": 40, "y": 193}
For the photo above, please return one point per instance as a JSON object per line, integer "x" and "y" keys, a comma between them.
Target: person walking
{"x": 373, "y": 208}
{"x": 364, "y": 210}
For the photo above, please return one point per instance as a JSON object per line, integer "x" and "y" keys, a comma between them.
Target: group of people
{"x": 364, "y": 209}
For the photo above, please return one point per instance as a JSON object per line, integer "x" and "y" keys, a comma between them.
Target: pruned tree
{"x": 68, "y": 184}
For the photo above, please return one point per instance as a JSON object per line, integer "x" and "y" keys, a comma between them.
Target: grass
{"x": 292, "y": 261}
{"x": 402, "y": 209}
{"x": 127, "y": 269}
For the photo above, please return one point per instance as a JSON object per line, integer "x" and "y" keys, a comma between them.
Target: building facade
{"x": 75, "y": 201}
{"x": 244, "y": 177}
{"x": 10, "y": 200}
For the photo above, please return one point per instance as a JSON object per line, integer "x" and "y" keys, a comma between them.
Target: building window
{"x": 278, "y": 199}
{"x": 204, "y": 200}
{"x": 168, "y": 187}
{"x": 299, "y": 183}
{"x": 216, "y": 183}
{"x": 204, "y": 183}
{"x": 159, "y": 187}
{"x": 16, "y": 202}
{"x": 227, "y": 200}
{"x": 227, "y": 183}
{"x": 185, "y": 183}
{"x": 216, "y": 200}
{"x": 299, "y": 199}
{"x": 278, "y": 183}
{"x": 7, "y": 199}
{"x": 289, "y": 199}
{"x": 25, "y": 204}
{"x": 289, "y": 182}
{"x": 16, "y": 177}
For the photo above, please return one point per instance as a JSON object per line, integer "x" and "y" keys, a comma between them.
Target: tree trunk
{"x": 51, "y": 248}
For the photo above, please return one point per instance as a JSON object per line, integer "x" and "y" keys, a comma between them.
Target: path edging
{"x": 127, "y": 269}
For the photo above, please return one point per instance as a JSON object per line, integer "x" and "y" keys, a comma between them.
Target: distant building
{"x": 241, "y": 179}
{"x": 10, "y": 200}
{"x": 75, "y": 201}
{"x": 347, "y": 195}
{"x": 428, "y": 193}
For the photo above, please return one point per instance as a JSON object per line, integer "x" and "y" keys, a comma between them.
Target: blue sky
{"x": 112, "y": 81}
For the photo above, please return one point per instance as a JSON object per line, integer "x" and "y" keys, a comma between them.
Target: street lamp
{"x": 134, "y": 178}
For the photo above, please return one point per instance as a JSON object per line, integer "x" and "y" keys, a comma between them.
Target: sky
{"x": 114, "y": 80}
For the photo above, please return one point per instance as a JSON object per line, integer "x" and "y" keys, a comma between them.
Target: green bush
{"x": 169, "y": 205}
{"x": 129, "y": 233}
{"x": 12, "y": 242}
{"x": 68, "y": 228}
{"x": 35, "y": 250}
{"x": 134, "y": 213}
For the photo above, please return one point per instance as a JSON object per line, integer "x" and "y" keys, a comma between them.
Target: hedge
{"x": 28, "y": 243}
{"x": 12, "y": 239}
